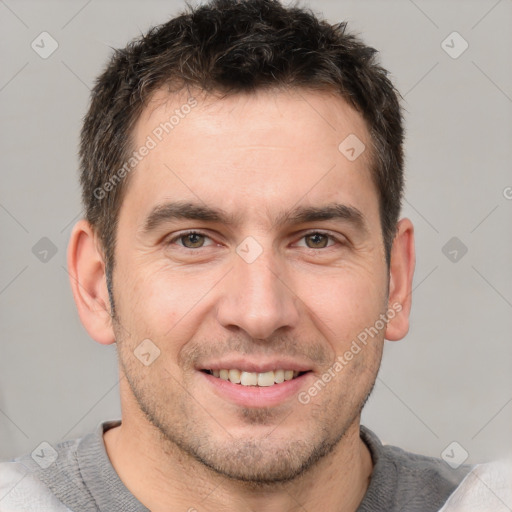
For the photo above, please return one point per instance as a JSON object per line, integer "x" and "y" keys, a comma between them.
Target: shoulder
{"x": 427, "y": 474}
{"x": 47, "y": 480}
{"x": 410, "y": 481}
{"x": 22, "y": 491}
{"x": 487, "y": 488}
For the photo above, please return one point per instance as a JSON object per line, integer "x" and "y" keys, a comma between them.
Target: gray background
{"x": 449, "y": 380}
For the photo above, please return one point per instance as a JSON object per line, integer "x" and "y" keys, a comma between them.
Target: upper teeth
{"x": 255, "y": 379}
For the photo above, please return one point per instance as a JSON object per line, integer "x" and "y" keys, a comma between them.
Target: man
{"x": 242, "y": 175}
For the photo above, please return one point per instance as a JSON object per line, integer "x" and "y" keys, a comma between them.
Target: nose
{"x": 258, "y": 299}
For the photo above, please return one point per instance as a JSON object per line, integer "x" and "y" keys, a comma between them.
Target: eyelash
{"x": 331, "y": 238}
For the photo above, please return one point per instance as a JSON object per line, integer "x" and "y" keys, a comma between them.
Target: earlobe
{"x": 400, "y": 282}
{"x": 86, "y": 269}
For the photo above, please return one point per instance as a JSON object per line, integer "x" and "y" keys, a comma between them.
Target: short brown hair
{"x": 236, "y": 46}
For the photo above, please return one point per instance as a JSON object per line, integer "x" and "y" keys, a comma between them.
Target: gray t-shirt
{"x": 79, "y": 477}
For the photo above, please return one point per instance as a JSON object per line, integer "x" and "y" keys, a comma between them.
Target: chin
{"x": 258, "y": 462}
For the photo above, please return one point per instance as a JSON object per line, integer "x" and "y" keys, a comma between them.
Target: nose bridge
{"x": 256, "y": 299}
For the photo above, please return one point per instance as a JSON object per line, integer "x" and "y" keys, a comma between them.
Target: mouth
{"x": 256, "y": 379}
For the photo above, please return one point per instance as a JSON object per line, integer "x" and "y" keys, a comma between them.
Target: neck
{"x": 163, "y": 477}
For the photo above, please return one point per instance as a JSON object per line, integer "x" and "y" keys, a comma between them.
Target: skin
{"x": 182, "y": 443}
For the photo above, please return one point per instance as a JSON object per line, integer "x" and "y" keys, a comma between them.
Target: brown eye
{"x": 316, "y": 240}
{"x": 192, "y": 240}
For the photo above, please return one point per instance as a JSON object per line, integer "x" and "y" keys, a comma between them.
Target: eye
{"x": 318, "y": 240}
{"x": 191, "y": 240}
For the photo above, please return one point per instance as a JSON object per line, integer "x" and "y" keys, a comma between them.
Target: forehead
{"x": 255, "y": 154}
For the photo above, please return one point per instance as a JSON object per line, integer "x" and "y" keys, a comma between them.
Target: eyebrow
{"x": 185, "y": 210}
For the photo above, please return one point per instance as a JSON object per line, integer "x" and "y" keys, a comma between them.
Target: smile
{"x": 264, "y": 379}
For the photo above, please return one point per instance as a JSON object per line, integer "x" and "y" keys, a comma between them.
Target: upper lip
{"x": 255, "y": 366}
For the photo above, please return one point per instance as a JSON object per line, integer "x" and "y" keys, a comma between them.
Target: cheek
{"x": 343, "y": 303}
{"x": 163, "y": 304}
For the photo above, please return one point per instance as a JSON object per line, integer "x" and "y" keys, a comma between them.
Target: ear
{"x": 86, "y": 269}
{"x": 401, "y": 272}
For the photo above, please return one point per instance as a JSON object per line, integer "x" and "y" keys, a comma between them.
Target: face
{"x": 248, "y": 242}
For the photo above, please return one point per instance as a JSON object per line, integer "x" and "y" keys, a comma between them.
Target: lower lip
{"x": 257, "y": 396}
